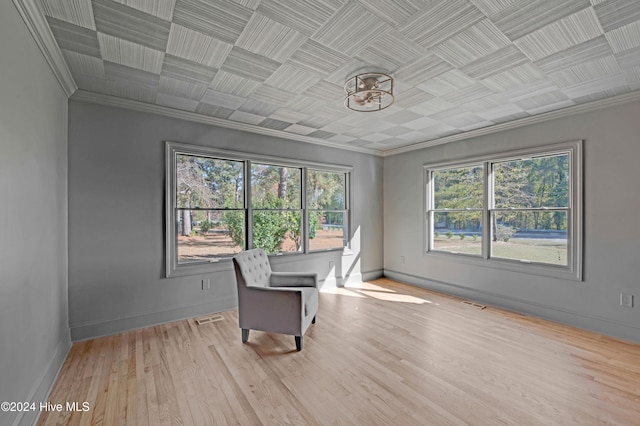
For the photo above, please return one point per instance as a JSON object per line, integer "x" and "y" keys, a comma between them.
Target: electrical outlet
{"x": 206, "y": 284}
{"x": 626, "y": 300}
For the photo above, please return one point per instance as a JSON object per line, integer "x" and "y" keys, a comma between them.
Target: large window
{"x": 220, "y": 203}
{"x": 520, "y": 209}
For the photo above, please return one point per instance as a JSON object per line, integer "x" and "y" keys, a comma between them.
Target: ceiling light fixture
{"x": 369, "y": 92}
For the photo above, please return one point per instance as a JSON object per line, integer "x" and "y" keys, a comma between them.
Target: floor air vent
{"x": 209, "y": 319}
{"x": 473, "y": 304}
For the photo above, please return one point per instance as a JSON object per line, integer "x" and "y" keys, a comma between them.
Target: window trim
{"x": 575, "y": 226}
{"x": 172, "y": 267}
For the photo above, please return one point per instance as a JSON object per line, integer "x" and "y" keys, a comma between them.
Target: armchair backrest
{"x": 252, "y": 268}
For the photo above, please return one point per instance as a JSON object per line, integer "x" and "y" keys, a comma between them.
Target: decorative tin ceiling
{"x": 458, "y": 65}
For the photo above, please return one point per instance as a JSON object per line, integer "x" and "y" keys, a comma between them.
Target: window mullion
{"x": 248, "y": 234}
{"x": 489, "y": 200}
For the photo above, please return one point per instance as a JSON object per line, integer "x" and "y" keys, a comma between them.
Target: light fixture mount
{"x": 368, "y": 92}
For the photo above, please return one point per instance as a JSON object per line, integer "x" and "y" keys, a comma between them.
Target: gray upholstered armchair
{"x": 277, "y": 302}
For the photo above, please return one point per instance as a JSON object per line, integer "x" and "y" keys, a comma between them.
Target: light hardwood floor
{"x": 381, "y": 353}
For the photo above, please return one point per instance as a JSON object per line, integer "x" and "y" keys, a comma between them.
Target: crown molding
{"x": 108, "y": 100}
{"x": 39, "y": 28}
{"x": 540, "y": 118}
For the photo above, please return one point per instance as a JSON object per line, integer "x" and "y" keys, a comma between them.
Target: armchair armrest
{"x": 293, "y": 279}
{"x": 279, "y": 310}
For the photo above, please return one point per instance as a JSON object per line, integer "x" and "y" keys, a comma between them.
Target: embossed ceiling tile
{"x": 245, "y": 117}
{"x": 560, "y": 35}
{"x": 233, "y": 84}
{"x": 331, "y": 111}
{"x": 394, "y": 12}
{"x": 492, "y": 7}
{"x": 358, "y": 132}
{"x": 527, "y": 16}
{"x": 306, "y": 105}
{"x": 348, "y": 69}
{"x": 476, "y": 125}
{"x": 412, "y": 97}
{"x": 161, "y": 8}
{"x": 131, "y": 24}
{"x": 289, "y": 115}
{"x": 614, "y": 83}
{"x": 584, "y": 52}
{"x": 365, "y": 121}
{"x": 251, "y": 4}
{"x": 127, "y": 53}
{"x": 318, "y": 57}
{"x": 77, "y": 12}
{"x": 220, "y": 19}
{"x": 432, "y": 106}
{"x": 315, "y": 122}
{"x": 249, "y": 65}
{"x": 549, "y": 98}
{"x": 177, "y": 102}
{"x": 515, "y": 77}
{"x": 616, "y": 13}
{"x": 326, "y": 91}
{"x": 321, "y": 134}
{"x": 214, "y": 110}
{"x": 270, "y": 123}
{"x": 503, "y": 112}
{"x": 270, "y": 38}
{"x": 341, "y": 138}
{"x": 305, "y": 17}
{"x": 376, "y": 137}
{"x": 392, "y": 50}
{"x": 75, "y": 38}
{"x": 80, "y": 64}
{"x": 420, "y": 123}
{"x": 413, "y": 136}
{"x": 586, "y": 71}
{"x": 183, "y": 69}
{"x": 122, "y": 89}
{"x": 462, "y": 120}
{"x": 130, "y": 76}
{"x": 468, "y": 94}
{"x": 299, "y": 130}
{"x": 182, "y": 89}
{"x": 197, "y": 47}
{"x": 292, "y": 78}
{"x": 226, "y": 100}
{"x": 499, "y": 61}
{"x": 524, "y": 91}
{"x": 423, "y": 69}
{"x": 254, "y": 106}
{"x": 633, "y": 77}
{"x": 483, "y": 104}
{"x": 446, "y": 83}
{"x": 625, "y": 37}
{"x": 351, "y": 29}
{"x": 402, "y": 116}
{"x": 600, "y": 95}
{"x": 338, "y": 127}
{"x": 273, "y": 95}
{"x": 440, "y": 20}
{"x": 629, "y": 58}
{"x": 473, "y": 43}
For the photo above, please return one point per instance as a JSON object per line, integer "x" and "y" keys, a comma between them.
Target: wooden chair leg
{"x": 245, "y": 335}
{"x": 299, "y": 343}
{"x": 313, "y": 321}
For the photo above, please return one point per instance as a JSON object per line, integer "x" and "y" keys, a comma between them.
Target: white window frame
{"x": 172, "y": 149}
{"x": 574, "y": 267}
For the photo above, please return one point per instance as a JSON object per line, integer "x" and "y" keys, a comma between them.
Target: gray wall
{"x": 34, "y": 332}
{"x": 611, "y": 226}
{"x": 116, "y": 219}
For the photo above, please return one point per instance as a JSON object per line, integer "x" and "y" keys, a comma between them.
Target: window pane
{"x": 326, "y": 230}
{"x": 458, "y": 188}
{"x": 459, "y": 232}
{"x": 275, "y": 187}
{"x": 530, "y": 183}
{"x": 277, "y": 231}
{"x": 206, "y": 182}
{"x": 208, "y": 234}
{"x": 533, "y": 236}
{"x": 325, "y": 190}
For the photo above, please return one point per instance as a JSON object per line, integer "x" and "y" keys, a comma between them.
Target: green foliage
{"x": 205, "y": 226}
{"x": 462, "y": 236}
{"x": 436, "y": 234}
{"x": 504, "y": 233}
{"x": 475, "y": 237}
{"x": 449, "y": 234}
